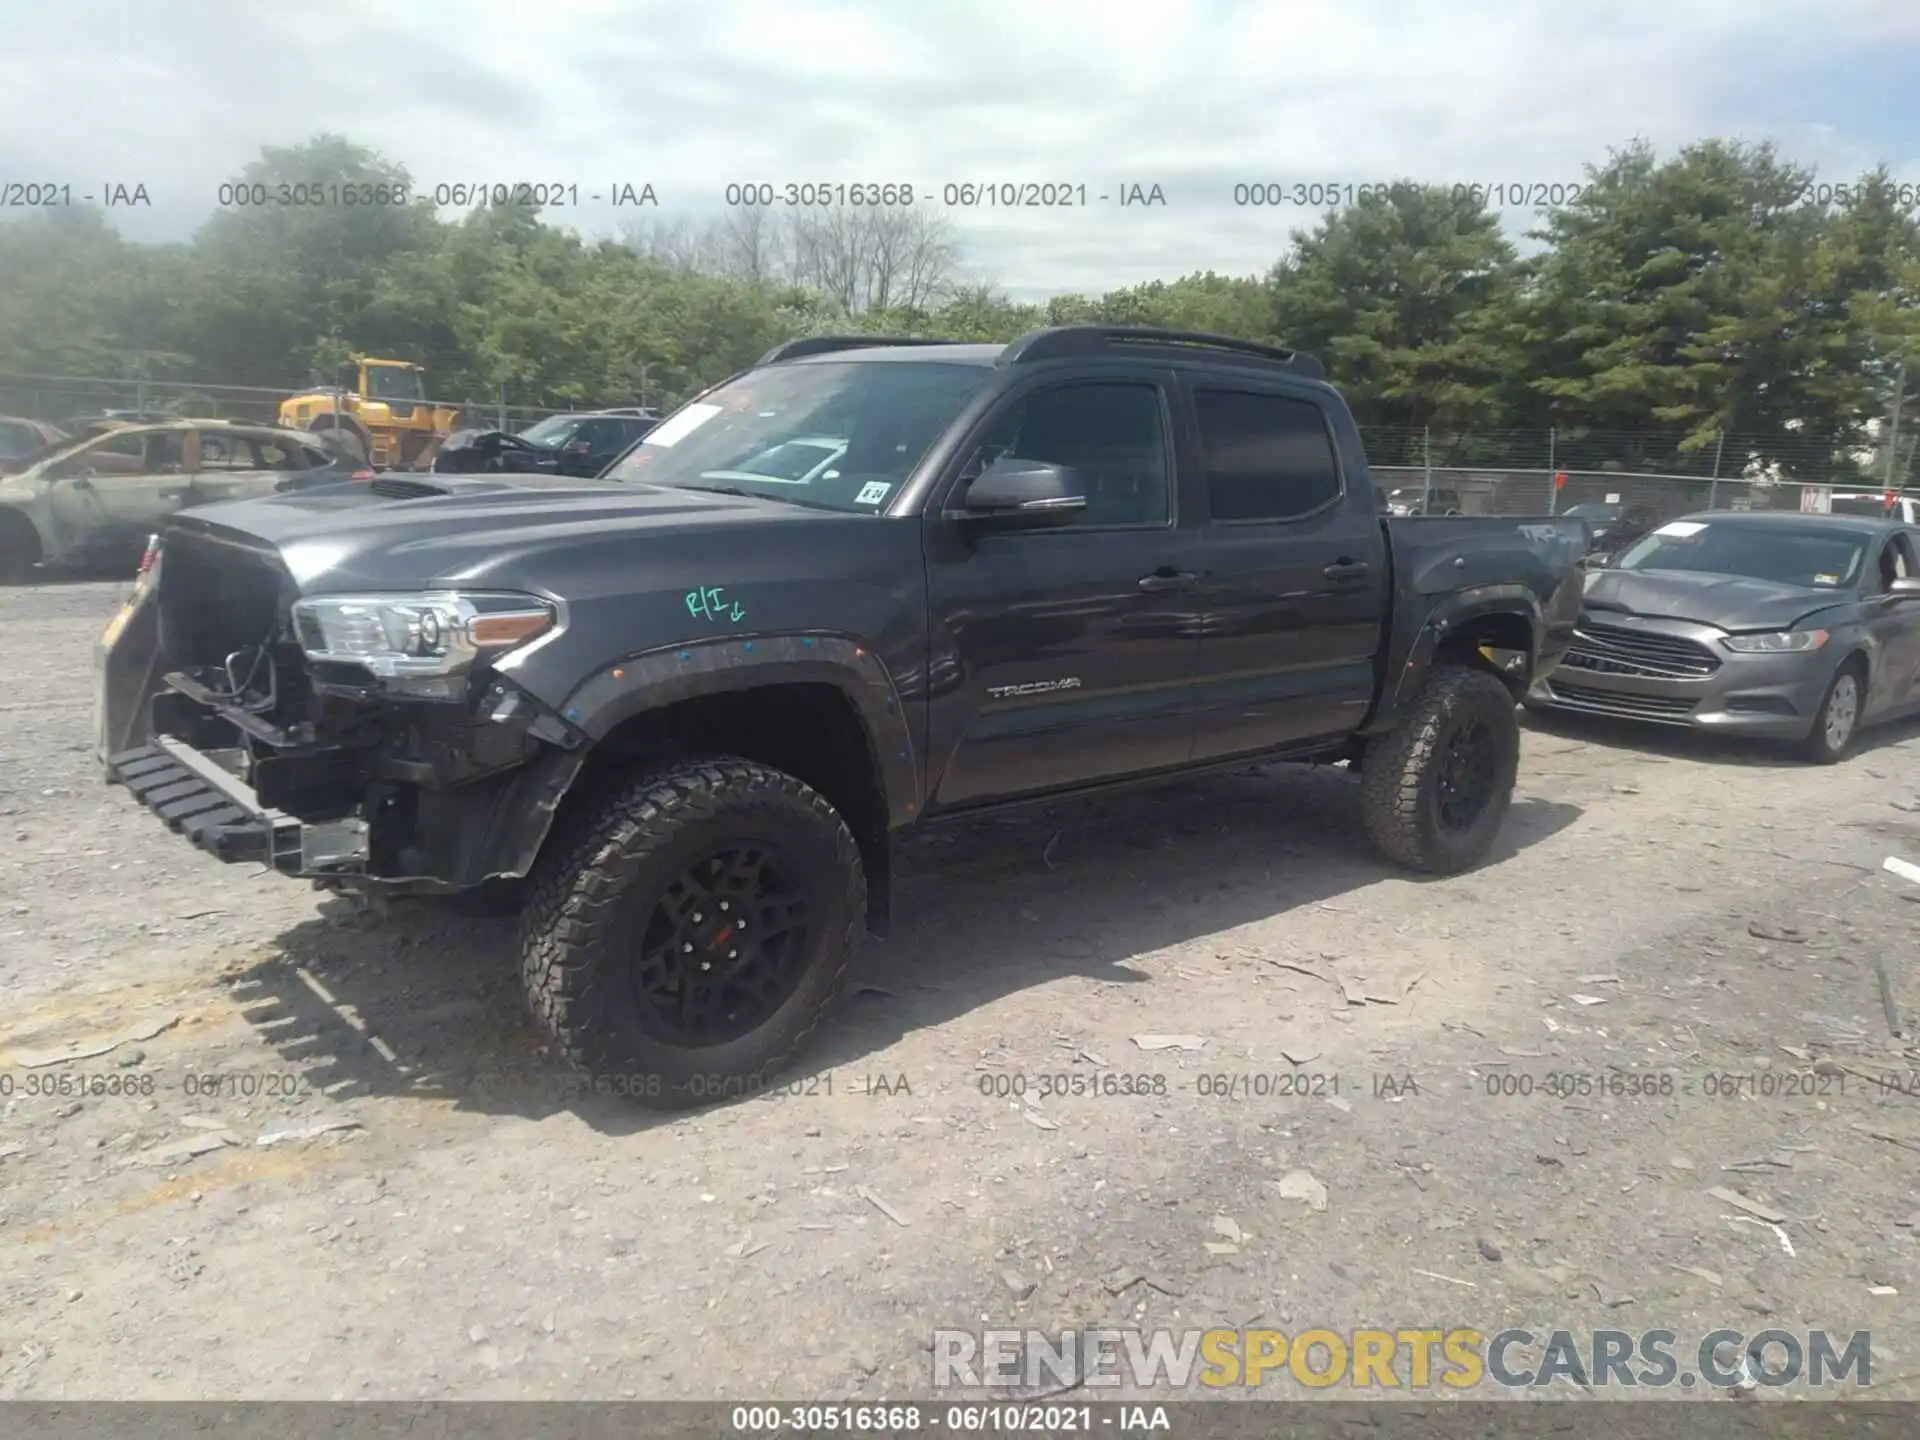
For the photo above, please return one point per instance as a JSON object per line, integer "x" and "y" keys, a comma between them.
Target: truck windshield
{"x": 1786, "y": 555}
{"x": 833, "y": 435}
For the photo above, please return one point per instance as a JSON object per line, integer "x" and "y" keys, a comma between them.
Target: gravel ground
{"x": 435, "y": 1216}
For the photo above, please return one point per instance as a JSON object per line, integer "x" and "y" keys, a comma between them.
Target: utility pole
{"x": 1893, "y": 427}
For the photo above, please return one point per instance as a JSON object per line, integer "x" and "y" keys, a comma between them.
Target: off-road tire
{"x": 622, "y": 851}
{"x": 1817, "y": 748}
{"x": 19, "y": 548}
{"x": 1398, "y": 781}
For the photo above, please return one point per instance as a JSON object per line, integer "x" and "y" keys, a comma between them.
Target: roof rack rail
{"x": 1060, "y": 340}
{"x": 827, "y": 344}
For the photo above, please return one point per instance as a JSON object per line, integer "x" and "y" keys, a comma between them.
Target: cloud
{"x": 1192, "y": 95}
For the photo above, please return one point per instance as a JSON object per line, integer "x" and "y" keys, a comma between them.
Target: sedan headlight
{"x": 1779, "y": 642}
{"x": 435, "y": 635}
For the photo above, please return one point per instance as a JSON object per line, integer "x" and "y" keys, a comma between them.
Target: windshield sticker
{"x": 1826, "y": 579}
{"x": 873, "y": 492}
{"x": 1681, "y": 529}
{"x": 709, "y": 602}
{"x": 673, "y": 431}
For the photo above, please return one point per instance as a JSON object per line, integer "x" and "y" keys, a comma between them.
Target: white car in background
{"x": 1905, "y": 508}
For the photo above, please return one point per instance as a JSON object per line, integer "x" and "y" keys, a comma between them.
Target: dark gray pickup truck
{"x": 682, "y": 710}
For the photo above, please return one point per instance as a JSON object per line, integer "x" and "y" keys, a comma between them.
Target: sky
{"x": 1193, "y": 96}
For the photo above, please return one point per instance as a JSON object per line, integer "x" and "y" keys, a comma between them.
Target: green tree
{"x": 1403, "y": 294}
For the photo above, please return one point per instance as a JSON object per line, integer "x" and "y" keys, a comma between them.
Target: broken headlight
{"x": 419, "y": 643}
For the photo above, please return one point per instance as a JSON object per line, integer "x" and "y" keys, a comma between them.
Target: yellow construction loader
{"x": 377, "y": 412}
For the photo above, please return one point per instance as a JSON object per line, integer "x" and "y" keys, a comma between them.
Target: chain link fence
{"x": 1796, "y": 459}
{"x": 1662, "y": 497}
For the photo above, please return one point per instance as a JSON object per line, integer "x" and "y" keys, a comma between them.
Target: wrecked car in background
{"x": 96, "y": 499}
{"x": 23, "y": 441}
{"x": 1778, "y": 625}
{"x": 581, "y": 444}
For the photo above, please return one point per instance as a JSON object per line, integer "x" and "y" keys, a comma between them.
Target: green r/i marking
{"x": 709, "y": 603}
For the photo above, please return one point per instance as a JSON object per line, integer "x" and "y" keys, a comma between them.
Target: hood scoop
{"x": 389, "y": 487}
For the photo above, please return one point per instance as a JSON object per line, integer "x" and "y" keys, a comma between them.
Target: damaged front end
{"x": 363, "y": 741}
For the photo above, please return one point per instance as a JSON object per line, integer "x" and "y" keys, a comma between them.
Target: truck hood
{"x": 410, "y": 532}
{"x": 1730, "y": 602}
{"x": 635, "y": 567}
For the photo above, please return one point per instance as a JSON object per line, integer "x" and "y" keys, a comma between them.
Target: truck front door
{"x": 1065, "y": 656}
{"x": 1297, "y": 584}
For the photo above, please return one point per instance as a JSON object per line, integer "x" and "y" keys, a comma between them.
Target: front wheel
{"x": 689, "y": 933}
{"x": 1434, "y": 791}
{"x": 1837, "y": 722}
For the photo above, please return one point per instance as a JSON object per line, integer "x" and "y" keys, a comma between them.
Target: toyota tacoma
{"x": 676, "y": 716}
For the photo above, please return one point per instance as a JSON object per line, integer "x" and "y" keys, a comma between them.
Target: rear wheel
{"x": 19, "y": 548}
{"x": 687, "y": 936}
{"x": 1837, "y": 722}
{"x": 1434, "y": 792}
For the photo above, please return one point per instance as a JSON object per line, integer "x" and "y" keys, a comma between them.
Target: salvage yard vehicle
{"x": 1614, "y": 525}
{"x": 581, "y": 443}
{"x": 98, "y": 498}
{"x": 22, "y": 440}
{"x": 1889, "y": 505}
{"x": 376, "y": 413}
{"x": 692, "y": 704}
{"x": 1780, "y": 625}
{"x": 1412, "y": 500}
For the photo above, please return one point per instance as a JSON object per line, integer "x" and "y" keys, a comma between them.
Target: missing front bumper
{"x": 198, "y": 797}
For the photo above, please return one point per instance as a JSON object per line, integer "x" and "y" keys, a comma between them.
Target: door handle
{"x": 1165, "y": 579}
{"x": 1346, "y": 570}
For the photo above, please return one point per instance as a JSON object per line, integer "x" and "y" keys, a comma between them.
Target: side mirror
{"x": 1013, "y": 494}
{"x": 1599, "y": 561}
{"x": 1906, "y": 588}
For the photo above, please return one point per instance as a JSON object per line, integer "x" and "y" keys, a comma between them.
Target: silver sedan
{"x": 1777, "y": 625}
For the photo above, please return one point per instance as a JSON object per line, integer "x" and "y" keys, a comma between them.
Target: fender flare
{"x": 655, "y": 679}
{"x": 1407, "y": 668}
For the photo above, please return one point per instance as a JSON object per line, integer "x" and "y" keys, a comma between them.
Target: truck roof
{"x": 956, "y": 353}
{"x": 1053, "y": 343}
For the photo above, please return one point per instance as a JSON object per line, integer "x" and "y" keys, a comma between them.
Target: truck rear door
{"x": 1296, "y": 589}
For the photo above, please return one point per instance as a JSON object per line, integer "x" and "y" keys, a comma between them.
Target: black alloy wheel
{"x": 688, "y": 928}
{"x": 724, "y": 947}
{"x": 1466, "y": 775}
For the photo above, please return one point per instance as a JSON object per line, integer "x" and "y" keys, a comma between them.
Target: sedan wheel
{"x": 1837, "y": 721}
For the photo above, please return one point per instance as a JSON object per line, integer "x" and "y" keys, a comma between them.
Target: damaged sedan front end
{"x": 367, "y": 741}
